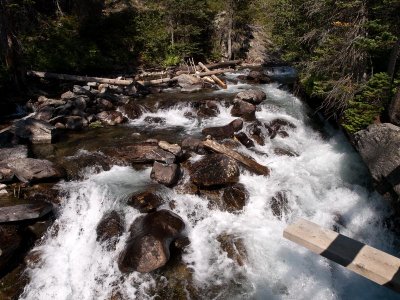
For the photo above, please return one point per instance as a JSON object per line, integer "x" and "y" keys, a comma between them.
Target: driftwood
{"x": 118, "y": 81}
{"x": 215, "y": 78}
{"x": 247, "y": 162}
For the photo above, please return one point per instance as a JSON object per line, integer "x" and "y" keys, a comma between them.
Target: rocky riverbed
{"x": 109, "y": 194}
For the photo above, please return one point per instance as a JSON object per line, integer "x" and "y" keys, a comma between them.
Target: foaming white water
{"x": 324, "y": 184}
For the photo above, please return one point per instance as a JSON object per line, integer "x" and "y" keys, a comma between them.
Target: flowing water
{"x": 327, "y": 184}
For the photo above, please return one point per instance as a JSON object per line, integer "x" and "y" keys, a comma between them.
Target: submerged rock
{"x": 224, "y": 132}
{"x": 147, "y": 247}
{"x": 280, "y": 204}
{"x": 75, "y": 123}
{"x": 155, "y": 120}
{"x": 233, "y": 247}
{"x": 244, "y": 140}
{"x": 285, "y": 152}
{"x": 208, "y": 109}
{"x": 111, "y": 117}
{"x": 215, "y": 170}
{"x": 256, "y": 132}
{"x": 166, "y": 174}
{"x": 145, "y": 202}
{"x": 132, "y": 110}
{"x": 235, "y": 197}
{"x": 110, "y": 227}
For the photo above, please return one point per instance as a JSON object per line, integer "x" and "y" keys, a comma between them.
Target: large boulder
{"x": 214, "y": 170}
{"x": 147, "y": 247}
{"x": 110, "y": 227}
{"x": 31, "y": 169}
{"x": 146, "y": 201}
{"x": 243, "y": 109}
{"x": 379, "y": 146}
{"x": 224, "y": 132}
{"x": 22, "y": 212}
{"x": 252, "y": 96}
{"x": 166, "y": 174}
{"x": 36, "y": 131}
{"x": 189, "y": 83}
{"x": 233, "y": 247}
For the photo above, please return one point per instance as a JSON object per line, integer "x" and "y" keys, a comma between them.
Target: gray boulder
{"x": 36, "y": 131}
{"x": 379, "y": 146}
{"x": 166, "y": 174}
{"x": 30, "y": 169}
{"x": 148, "y": 245}
{"x": 252, "y": 96}
{"x": 22, "y": 212}
{"x": 189, "y": 83}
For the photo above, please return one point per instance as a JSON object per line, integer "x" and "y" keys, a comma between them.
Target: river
{"x": 326, "y": 184}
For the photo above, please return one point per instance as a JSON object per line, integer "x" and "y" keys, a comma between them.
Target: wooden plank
{"x": 362, "y": 259}
{"x": 215, "y": 78}
{"x": 250, "y": 164}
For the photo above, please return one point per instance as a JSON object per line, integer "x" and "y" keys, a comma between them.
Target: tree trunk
{"x": 10, "y": 46}
{"x": 230, "y": 22}
{"x": 393, "y": 60}
{"x": 394, "y": 108}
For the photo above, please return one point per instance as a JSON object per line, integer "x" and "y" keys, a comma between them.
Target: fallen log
{"x": 215, "y": 78}
{"x": 247, "y": 162}
{"x": 362, "y": 259}
{"x": 79, "y": 78}
{"x": 116, "y": 81}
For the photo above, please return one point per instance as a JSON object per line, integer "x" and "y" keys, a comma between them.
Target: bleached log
{"x": 250, "y": 164}
{"x": 374, "y": 264}
{"x": 215, "y": 78}
{"x": 79, "y": 78}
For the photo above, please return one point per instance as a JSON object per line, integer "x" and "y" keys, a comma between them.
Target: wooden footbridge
{"x": 374, "y": 264}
